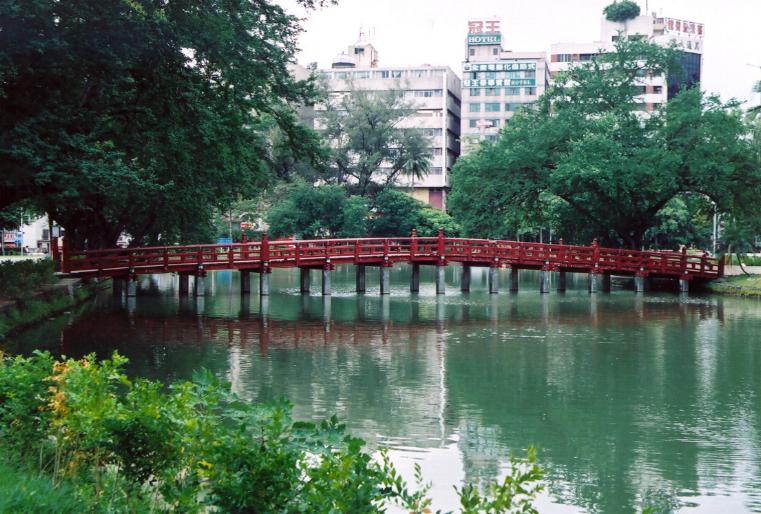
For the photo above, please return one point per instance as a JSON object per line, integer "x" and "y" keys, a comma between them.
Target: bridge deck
{"x": 327, "y": 253}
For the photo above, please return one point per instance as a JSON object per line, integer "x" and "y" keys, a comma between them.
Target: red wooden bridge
{"x": 325, "y": 254}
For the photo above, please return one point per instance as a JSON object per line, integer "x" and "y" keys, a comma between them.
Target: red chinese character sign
{"x": 483, "y": 27}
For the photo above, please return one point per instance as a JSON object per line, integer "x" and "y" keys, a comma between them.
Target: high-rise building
{"x": 656, "y": 90}
{"x": 496, "y": 82}
{"x": 434, "y": 91}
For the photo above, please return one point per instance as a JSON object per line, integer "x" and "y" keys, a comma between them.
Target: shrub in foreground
{"x": 112, "y": 444}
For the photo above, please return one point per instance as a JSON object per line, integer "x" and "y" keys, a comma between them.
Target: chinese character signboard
{"x": 484, "y": 32}
{"x": 673, "y": 26}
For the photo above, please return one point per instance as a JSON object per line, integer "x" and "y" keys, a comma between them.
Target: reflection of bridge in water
{"x": 599, "y": 263}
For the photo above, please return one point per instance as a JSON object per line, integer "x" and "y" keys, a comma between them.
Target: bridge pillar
{"x": 326, "y": 282}
{"x": 544, "y": 281}
{"x": 593, "y": 282}
{"x": 493, "y": 280}
{"x": 465, "y": 278}
{"x": 361, "y": 275}
{"x": 440, "y": 284}
{"x": 305, "y": 279}
{"x": 684, "y": 285}
{"x": 199, "y": 287}
{"x": 118, "y": 285}
{"x": 184, "y": 284}
{"x": 132, "y": 287}
{"x": 415, "y": 279}
{"x": 605, "y": 283}
{"x": 641, "y": 283}
{"x": 385, "y": 280}
{"x": 561, "y": 281}
{"x": 245, "y": 281}
{"x": 513, "y": 279}
{"x": 264, "y": 282}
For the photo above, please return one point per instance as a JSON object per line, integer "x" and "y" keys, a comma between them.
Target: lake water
{"x": 631, "y": 399}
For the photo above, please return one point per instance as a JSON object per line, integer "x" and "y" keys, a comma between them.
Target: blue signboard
{"x": 224, "y": 241}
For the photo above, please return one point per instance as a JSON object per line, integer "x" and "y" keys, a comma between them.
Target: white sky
{"x": 414, "y": 32}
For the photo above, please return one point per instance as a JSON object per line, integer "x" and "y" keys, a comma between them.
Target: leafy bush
{"x": 398, "y": 213}
{"x": 621, "y": 11}
{"x": 118, "y": 445}
{"x": 19, "y": 277}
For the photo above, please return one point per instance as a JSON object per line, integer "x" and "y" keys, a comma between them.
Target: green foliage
{"x": 140, "y": 116}
{"x": 588, "y": 160}
{"x": 398, "y": 213}
{"x": 19, "y": 278}
{"x": 514, "y": 494}
{"x": 367, "y": 143}
{"x": 26, "y": 490}
{"x": 111, "y": 444}
{"x": 621, "y": 10}
{"x": 310, "y": 212}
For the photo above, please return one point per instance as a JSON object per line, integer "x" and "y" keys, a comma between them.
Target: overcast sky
{"x": 414, "y": 32}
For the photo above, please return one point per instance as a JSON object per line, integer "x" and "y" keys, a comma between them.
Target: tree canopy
{"x": 621, "y": 10}
{"x": 142, "y": 116}
{"x": 372, "y": 141}
{"x": 590, "y": 161}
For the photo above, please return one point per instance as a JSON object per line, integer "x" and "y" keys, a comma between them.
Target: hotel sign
{"x": 484, "y": 39}
{"x": 500, "y": 66}
{"x": 672, "y": 26}
{"x": 499, "y": 82}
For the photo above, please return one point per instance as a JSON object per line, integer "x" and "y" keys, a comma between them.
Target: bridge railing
{"x": 321, "y": 252}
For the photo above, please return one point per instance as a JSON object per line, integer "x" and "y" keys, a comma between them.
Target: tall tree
{"x": 372, "y": 140}
{"x": 140, "y": 115}
{"x": 589, "y": 156}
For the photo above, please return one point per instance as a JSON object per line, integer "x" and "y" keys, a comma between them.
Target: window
{"x": 494, "y": 122}
{"x": 326, "y": 76}
{"x": 362, "y": 75}
{"x": 341, "y": 75}
{"x": 490, "y": 75}
{"x": 512, "y": 107}
{"x": 474, "y": 91}
{"x": 492, "y": 91}
{"x": 491, "y": 107}
{"x": 585, "y": 57}
{"x": 418, "y": 73}
{"x": 472, "y": 123}
{"x": 474, "y": 107}
{"x": 529, "y": 74}
{"x": 431, "y": 132}
{"x": 383, "y": 74}
{"x": 436, "y": 151}
{"x": 472, "y": 51}
{"x": 658, "y": 90}
{"x": 512, "y": 91}
{"x": 434, "y": 170}
{"x": 564, "y": 58}
{"x": 359, "y": 51}
{"x": 495, "y": 51}
{"x": 531, "y": 91}
{"x": 397, "y": 74}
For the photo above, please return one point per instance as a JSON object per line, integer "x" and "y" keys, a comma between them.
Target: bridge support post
{"x": 513, "y": 279}
{"x": 264, "y": 282}
{"x": 593, "y": 282}
{"x": 465, "y": 278}
{"x": 326, "y": 282}
{"x": 361, "y": 275}
{"x": 415, "y": 279}
{"x": 561, "y": 276}
{"x": 132, "y": 287}
{"x": 118, "y": 286}
{"x": 605, "y": 283}
{"x": 684, "y": 285}
{"x": 493, "y": 280}
{"x": 641, "y": 283}
{"x": 440, "y": 284}
{"x": 184, "y": 284}
{"x": 245, "y": 281}
{"x": 305, "y": 279}
{"x": 544, "y": 281}
{"x": 199, "y": 287}
{"x": 385, "y": 280}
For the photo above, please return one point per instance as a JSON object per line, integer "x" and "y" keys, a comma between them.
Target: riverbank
{"x": 30, "y": 293}
{"x": 737, "y": 285}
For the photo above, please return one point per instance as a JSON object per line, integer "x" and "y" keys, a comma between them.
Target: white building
{"x": 435, "y": 93}
{"x": 656, "y": 90}
{"x": 496, "y": 82}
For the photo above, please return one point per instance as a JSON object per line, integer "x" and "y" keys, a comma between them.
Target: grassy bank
{"x": 30, "y": 293}
{"x": 739, "y": 285}
{"x": 80, "y": 436}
